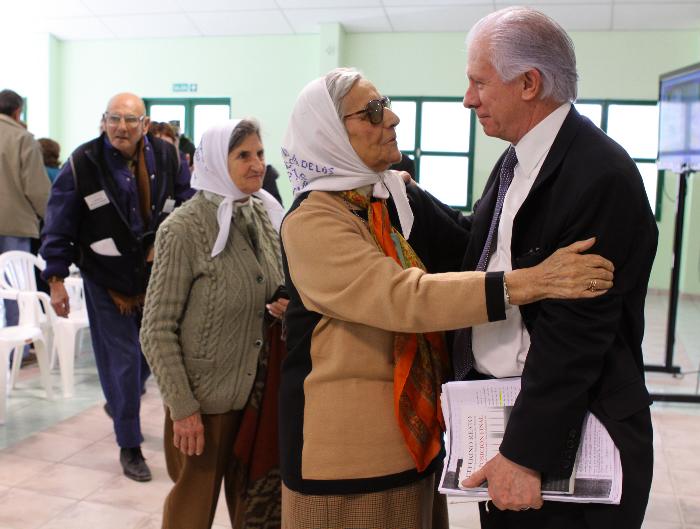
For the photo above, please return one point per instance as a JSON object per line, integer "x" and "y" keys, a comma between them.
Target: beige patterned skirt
{"x": 414, "y": 506}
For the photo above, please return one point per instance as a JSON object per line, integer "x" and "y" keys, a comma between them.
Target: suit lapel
{"x": 561, "y": 144}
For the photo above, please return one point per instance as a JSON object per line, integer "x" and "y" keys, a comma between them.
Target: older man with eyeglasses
{"x": 105, "y": 207}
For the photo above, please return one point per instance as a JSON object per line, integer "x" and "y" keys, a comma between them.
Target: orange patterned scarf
{"x": 420, "y": 360}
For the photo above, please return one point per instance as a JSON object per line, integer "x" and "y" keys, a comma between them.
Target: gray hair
{"x": 242, "y": 130}
{"x": 339, "y": 82}
{"x": 520, "y": 39}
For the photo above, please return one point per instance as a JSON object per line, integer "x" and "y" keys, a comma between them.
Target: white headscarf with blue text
{"x": 319, "y": 157}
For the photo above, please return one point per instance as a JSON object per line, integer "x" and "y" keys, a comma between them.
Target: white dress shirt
{"x": 500, "y": 348}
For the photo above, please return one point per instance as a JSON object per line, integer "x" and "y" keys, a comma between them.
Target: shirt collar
{"x": 111, "y": 148}
{"x": 536, "y": 143}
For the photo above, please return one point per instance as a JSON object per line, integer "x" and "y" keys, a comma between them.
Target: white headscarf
{"x": 318, "y": 155}
{"x": 211, "y": 174}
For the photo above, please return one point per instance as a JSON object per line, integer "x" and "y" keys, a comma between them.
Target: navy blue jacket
{"x": 107, "y": 238}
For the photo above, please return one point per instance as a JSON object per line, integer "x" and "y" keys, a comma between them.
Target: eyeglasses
{"x": 374, "y": 110}
{"x": 114, "y": 120}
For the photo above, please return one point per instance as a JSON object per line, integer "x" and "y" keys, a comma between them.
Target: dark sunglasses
{"x": 374, "y": 110}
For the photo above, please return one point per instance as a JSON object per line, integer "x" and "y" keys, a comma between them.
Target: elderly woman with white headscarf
{"x": 217, "y": 269}
{"x": 360, "y": 419}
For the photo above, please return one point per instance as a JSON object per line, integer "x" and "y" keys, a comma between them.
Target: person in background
{"x": 104, "y": 210}
{"x": 360, "y": 422}
{"x": 24, "y": 188}
{"x": 270, "y": 183}
{"x": 185, "y": 145}
{"x": 166, "y": 132}
{"x": 561, "y": 179}
{"x": 211, "y": 333}
{"x": 51, "y": 152}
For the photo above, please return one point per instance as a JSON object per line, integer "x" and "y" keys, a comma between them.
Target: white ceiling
{"x": 125, "y": 19}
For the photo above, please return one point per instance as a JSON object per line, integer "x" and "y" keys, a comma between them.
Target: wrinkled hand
{"x": 188, "y": 435}
{"x": 406, "y": 177}
{"x": 511, "y": 486}
{"x": 59, "y": 299}
{"x": 571, "y": 275}
{"x": 277, "y": 308}
{"x": 566, "y": 274}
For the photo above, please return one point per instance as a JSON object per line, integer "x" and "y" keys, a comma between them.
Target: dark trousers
{"x": 192, "y": 501}
{"x": 121, "y": 366}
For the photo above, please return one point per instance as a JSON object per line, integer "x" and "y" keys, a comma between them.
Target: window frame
{"x": 189, "y": 103}
{"x": 417, "y": 152}
{"x": 605, "y": 105}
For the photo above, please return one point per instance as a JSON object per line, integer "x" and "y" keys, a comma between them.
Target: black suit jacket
{"x": 584, "y": 354}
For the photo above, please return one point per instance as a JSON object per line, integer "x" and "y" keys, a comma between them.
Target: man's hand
{"x": 59, "y": 299}
{"x": 188, "y": 435}
{"x": 511, "y": 486}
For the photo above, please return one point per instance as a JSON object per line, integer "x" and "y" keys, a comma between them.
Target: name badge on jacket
{"x": 105, "y": 247}
{"x": 96, "y": 200}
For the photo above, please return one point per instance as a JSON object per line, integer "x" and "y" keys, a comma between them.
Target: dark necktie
{"x": 462, "y": 353}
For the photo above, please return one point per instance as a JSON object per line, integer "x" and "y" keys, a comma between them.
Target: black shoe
{"x": 108, "y": 410}
{"x": 134, "y": 464}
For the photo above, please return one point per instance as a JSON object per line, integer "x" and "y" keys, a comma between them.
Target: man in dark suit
{"x": 561, "y": 180}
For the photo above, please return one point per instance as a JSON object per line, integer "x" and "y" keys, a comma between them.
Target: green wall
{"x": 263, "y": 75}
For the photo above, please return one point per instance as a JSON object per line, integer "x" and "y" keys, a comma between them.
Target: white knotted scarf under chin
{"x": 318, "y": 155}
{"x": 211, "y": 174}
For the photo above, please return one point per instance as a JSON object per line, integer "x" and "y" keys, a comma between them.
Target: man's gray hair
{"x": 242, "y": 130}
{"x": 339, "y": 82}
{"x": 520, "y": 39}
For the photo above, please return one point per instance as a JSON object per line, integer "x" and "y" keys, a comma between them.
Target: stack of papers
{"x": 476, "y": 415}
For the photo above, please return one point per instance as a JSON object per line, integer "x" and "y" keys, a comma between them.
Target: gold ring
{"x": 592, "y": 285}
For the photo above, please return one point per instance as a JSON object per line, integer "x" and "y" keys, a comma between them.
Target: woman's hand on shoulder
{"x": 566, "y": 274}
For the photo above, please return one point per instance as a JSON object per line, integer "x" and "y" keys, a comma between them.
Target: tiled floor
{"x": 59, "y": 464}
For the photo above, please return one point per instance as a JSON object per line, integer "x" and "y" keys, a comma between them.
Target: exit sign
{"x": 184, "y": 87}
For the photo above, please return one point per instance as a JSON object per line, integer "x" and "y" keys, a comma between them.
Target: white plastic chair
{"x": 17, "y": 272}
{"x": 15, "y": 337}
{"x": 66, "y": 332}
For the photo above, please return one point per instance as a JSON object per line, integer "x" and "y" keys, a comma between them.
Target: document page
{"x": 476, "y": 416}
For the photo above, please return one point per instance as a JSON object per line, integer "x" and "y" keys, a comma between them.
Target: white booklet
{"x": 476, "y": 414}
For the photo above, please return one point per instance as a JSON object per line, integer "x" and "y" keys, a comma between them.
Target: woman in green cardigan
{"x": 209, "y": 314}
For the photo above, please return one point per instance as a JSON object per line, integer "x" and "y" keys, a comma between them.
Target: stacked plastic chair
{"x": 17, "y": 273}
{"x": 66, "y": 332}
{"x": 15, "y": 337}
